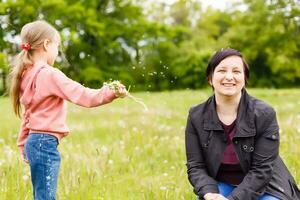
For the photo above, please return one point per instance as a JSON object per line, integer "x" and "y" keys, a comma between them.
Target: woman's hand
{"x": 214, "y": 196}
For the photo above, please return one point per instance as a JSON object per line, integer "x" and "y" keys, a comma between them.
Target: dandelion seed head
{"x": 163, "y": 188}
{"x": 25, "y": 177}
{"x": 104, "y": 149}
{"x": 137, "y": 148}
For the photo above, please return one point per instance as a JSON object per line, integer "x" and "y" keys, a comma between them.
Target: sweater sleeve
{"x": 23, "y": 134}
{"x": 57, "y": 83}
{"x": 196, "y": 167}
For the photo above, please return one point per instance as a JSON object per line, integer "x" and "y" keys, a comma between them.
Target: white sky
{"x": 219, "y": 4}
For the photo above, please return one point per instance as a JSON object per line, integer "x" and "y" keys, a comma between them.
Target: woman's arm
{"x": 266, "y": 150}
{"x": 196, "y": 167}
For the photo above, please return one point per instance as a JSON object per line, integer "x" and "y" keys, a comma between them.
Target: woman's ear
{"x": 45, "y": 45}
{"x": 210, "y": 81}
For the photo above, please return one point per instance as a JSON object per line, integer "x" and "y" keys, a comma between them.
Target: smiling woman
{"x": 232, "y": 139}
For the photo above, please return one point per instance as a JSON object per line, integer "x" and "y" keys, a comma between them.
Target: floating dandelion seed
{"x": 110, "y": 162}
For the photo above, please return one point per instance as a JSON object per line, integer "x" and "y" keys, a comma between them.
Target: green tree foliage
{"x": 156, "y": 46}
{"x": 268, "y": 33}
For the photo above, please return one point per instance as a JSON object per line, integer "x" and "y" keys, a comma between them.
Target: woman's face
{"x": 228, "y": 78}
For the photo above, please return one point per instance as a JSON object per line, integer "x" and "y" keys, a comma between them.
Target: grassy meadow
{"x": 119, "y": 151}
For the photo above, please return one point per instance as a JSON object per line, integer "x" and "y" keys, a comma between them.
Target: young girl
{"x": 42, "y": 90}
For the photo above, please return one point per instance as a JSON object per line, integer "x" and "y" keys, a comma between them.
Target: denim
{"x": 225, "y": 189}
{"x": 44, "y": 160}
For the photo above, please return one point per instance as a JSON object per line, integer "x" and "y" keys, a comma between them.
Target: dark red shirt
{"x": 230, "y": 170}
{"x": 229, "y": 156}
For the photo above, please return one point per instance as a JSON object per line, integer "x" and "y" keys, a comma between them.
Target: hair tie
{"x": 26, "y": 46}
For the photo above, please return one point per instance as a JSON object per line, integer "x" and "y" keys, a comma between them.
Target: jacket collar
{"x": 245, "y": 117}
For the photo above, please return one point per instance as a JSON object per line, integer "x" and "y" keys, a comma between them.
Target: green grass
{"x": 118, "y": 151}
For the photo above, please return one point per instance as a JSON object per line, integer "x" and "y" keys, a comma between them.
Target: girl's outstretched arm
{"x": 52, "y": 81}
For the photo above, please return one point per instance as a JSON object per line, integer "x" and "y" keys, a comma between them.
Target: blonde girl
{"x": 42, "y": 90}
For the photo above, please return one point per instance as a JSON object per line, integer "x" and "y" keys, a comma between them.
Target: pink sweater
{"x": 44, "y": 90}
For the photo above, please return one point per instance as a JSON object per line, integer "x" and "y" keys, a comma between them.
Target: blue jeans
{"x": 225, "y": 189}
{"x": 44, "y": 160}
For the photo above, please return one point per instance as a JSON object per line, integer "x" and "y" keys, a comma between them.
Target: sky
{"x": 219, "y": 4}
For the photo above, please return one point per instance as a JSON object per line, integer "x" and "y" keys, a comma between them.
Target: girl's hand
{"x": 122, "y": 91}
{"x": 23, "y": 158}
{"x": 118, "y": 88}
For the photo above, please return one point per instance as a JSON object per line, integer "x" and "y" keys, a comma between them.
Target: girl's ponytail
{"x": 19, "y": 65}
{"x": 33, "y": 35}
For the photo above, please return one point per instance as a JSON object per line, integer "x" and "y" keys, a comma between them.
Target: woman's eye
{"x": 222, "y": 70}
{"x": 237, "y": 72}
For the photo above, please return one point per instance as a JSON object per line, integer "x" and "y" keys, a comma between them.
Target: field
{"x": 118, "y": 151}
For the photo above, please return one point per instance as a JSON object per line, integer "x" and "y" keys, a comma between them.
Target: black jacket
{"x": 256, "y": 143}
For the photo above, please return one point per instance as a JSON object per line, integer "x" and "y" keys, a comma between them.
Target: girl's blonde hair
{"x": 34, "y": 34}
